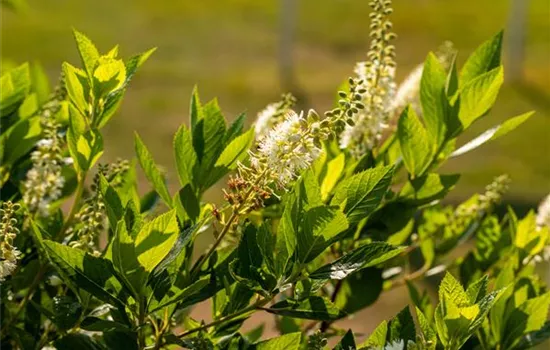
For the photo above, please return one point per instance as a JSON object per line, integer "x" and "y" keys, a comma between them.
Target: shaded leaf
{"x": 370, "y": 254}
{"x": 312, "y": 308}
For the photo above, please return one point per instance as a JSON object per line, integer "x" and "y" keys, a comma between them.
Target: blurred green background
{"x": 230, "y": 49}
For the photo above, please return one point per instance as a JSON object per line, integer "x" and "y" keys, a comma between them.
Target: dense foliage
{"x": 321, "y": 215}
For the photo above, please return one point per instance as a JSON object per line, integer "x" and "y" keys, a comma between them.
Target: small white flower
{"x": 44, "y": 180}
{"x": 370, "y": 122}
{"x": 45, "y": 143}
{"x": 408, "y": 91}
{"x": 272, "y": 114}
{"x": 543, "y": 213}
{"x": 264, "y": 120}
{"x": 287, "y": 150}
{"x": 7, "y": 267}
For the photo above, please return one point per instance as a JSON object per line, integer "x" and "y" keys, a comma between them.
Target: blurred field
{"x": 229, "y": 48}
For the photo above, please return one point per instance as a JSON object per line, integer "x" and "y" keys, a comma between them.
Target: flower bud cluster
{"x": 317, "y": 341}
{"x": 273, "y": 113}
{"x": 482, "y": 204}
{"x": 91, "y": 217}
{"x": 9, "y": 254}
{"x": 494, "y": 192}
{"x": 280, "y": 156}
{"x": 377, "y": 81}
{"x": 44, "y": 180}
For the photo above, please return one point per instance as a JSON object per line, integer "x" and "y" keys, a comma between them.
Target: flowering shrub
{"x": 321, "y": 215}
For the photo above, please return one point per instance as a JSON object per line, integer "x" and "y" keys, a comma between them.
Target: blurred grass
{"x": 229, "y": 48}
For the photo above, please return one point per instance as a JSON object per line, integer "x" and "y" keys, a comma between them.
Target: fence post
{"x": 517, "y": 23}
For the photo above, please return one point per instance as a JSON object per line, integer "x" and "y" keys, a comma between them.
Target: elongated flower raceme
{"x": 91, "y": 217}
{"x": 283, "y": 153}
{"x": 480, "y": 204}
{"x": 272, "y": 114}
{"x": 45, "y": 181}
{"x": 378, "y": 85}
{"x": 9, "y": 254}
{"x": 486, "y": 201}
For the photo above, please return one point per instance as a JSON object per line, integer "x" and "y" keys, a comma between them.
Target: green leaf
{"x": 235, "y": 129}
{"x": 236, "y": 150}
{"x": 497, "y": 316}
{"x": 96, "y": 324}
{"x": 14, "y": 86}
{"x": 362, "y": 193}
{"x": 155, "y": 239}
{"x": 248, "y": 268}
{"x": 66, "y": 311}
{"x": 114, "y": 97}
{"x": 20, "y": 139}
{"x": 306, "y": 194}
{"x": 359, "y": 290}
{"x": 335, "y": 169}
{"x": 485, "y": 58}
{"x": 429, "y": 337}
{"x": 186, "y": 157}
{"x": 40, "y": 83}
{"x": 401, "y": 327}
{"x": 451, "y": 289}
{"x": 368, "y": 255}
{"x": 29, "y": 106}
{"x": 312, "y": 308}
{"x": 477, "y": 290}
{"x": 195, "y": 108}
{"x": 135, "y": 62}
{"x": 176, "y": 295}
{"x": 290, "y": 341}
{"x": 113, "y": 204}
{"x": 493, "y": 133}
{"x": 451, "y": 86}
{"x": 125, "y": 260}
{"x": 93, "y": 274}
{"x": 347, "y": 342}
{"x": 187, "y": 204}
{"x": 151, "y": 170}
{"x": 85, "y": 149}
{"x": 108, "y": 76}
{"x": 416, "y": 147}
{"x": 478, "y": 96}
{"x": 532, "y": 339}
{"x": 255, "y": 334}
{"x": 528, "y": 317}
{"x": 428, "y": 188}
{"x": 77, "y": 87}
{"x": 319, "y": 227}
{"x": 208, "y": 136}
{"x": 73, "y": 341}
{"x": 87, "y": 50}
{"x": 435, "y": 106}
{"x": 528, "y": 238}
{"x": 377, "y": 339}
